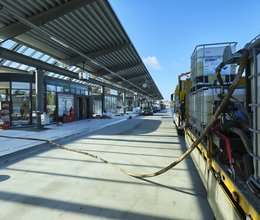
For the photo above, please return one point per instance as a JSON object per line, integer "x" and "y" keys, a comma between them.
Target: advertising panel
{"x": 65, "y": 102}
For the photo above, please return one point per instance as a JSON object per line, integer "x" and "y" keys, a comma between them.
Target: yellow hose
{"x": 243, "y": 61}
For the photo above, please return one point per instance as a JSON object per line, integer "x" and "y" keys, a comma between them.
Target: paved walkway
{"x": 58, "y": 184}
{"x": 9, "y": 146}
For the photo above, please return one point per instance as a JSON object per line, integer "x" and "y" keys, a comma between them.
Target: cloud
{"x": 152, "y": 62}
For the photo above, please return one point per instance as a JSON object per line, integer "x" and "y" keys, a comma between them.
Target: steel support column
{"x": 124, "y": 102}
{"x": 103, "y": 99}
{"x": 135, "y": 101}
{"x": 39, "y": 96}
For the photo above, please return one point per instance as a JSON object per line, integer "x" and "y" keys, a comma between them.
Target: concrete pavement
{"x": 58, "y": 184}
{"x": 9, "y": 145}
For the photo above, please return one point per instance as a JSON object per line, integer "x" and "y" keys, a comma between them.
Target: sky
{"x": 165, "y": 32}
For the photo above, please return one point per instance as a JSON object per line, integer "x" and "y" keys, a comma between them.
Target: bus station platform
{"x": 11, "y": 146}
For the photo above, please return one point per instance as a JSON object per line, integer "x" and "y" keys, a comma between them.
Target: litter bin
{"x": 45, "y": 119}
{"x": 64, "y": 119}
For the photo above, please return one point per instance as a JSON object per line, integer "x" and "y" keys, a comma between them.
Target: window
{"x": 20, "y": 85}
{"x": 21, "y": 103}
{"x": 60, "y": 89}
{"x": 4, "y": 95}
{"x": 97, "y": 107}
{"x": 21, "y": 106}
{"x": 73, "y": 90}
{"x": 51, "y": 105}
{"x": 65, "y": 102}
{"x": 4, "y": 85}
{"x": 51, "y": 88}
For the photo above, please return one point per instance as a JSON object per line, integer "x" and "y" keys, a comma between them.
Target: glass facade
{"x": 4, "y": 91}
{"x": 22, "y": 97}
{"x": 97, "y": 105}
{"x": 60, "y": 92}
{"x": 111, "y": 103}
{"x": 51, "y": 105}
{"x": 59, "y": 97}
{"x": 51, "y": 102}
{"x": 21, "y": 102}
{"x": 65, "y": 103}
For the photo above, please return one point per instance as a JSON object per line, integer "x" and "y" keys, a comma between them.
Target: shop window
{"x": 4, "y": 85}
{"x": 97, "y": 107}
{"x": 4, "y": 95}
{"x": 111, "y": 103}
{"x": 20, "y": 85}
{"x": 51, "y": 105}
{"x": 60, "y": 89}
{"x": 66, "y": 89}
{"x": 4, "y": 91}
{"x": 21, "y": 107}
{"x": 73, "y": 90}
{"x": 65, "y": 102}
{"x": 51, "y": 88}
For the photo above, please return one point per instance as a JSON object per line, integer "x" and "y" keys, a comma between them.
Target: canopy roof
{"x": 79, "y": 34}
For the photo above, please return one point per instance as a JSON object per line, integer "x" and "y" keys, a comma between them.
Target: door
{"x": 80, "y": 108}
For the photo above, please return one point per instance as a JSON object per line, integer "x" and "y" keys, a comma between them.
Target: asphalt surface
{"x": 57, "y": 184}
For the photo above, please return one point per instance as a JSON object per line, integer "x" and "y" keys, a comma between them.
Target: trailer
{"x": 222, "y": 98}
{"x": 179, "y": 101}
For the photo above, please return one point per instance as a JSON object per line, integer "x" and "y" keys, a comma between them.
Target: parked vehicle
{"x": 156, "y": 108}
{"x": 179, "y": 99}
{"x": 147, "y": 110}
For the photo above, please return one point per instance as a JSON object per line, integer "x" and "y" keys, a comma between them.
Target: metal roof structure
{"x": 80, "y": 34}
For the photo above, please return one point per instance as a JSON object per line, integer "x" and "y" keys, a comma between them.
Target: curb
{"x": 45, "y": 146}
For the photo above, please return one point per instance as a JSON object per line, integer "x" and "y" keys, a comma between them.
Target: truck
{"x": 179, "y": 101}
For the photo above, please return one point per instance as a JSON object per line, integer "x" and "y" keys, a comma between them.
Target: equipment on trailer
{"x": 228, "y": 157}
{"x": 179, "y": 102}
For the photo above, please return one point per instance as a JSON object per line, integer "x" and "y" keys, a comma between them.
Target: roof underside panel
{"x": 82, "y": 33}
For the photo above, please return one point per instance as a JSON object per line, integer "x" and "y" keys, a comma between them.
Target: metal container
{"x": 255, "y": 106}
{"x": 201, "y": 105}
{"x": 191, "y": 112}
{"x": 209, "y": 96}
